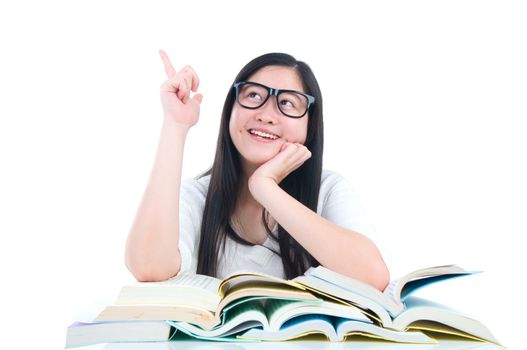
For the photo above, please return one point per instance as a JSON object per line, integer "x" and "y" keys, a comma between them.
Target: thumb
{"x": 198, "y": 98}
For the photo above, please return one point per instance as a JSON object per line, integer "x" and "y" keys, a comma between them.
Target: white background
{"x": 425, "y": 105}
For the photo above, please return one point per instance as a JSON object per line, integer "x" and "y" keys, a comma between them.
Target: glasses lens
{"x": 292, "y": 104}
{"x": 252, "y": 96}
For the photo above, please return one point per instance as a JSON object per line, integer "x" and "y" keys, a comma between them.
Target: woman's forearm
{"x": 152, "y": 252}
{"x": 339, "y": 249}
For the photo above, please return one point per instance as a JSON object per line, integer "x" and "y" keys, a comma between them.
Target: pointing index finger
{"x": 169, "y": 69}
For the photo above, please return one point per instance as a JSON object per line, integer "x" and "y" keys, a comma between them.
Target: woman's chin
{"x": 259, "y": 159}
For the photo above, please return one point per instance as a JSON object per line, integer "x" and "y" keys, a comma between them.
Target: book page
{"x": 186, "y": 288}
{"x": 193, "y": 280}
{"x": 234, "y": 282}
{"x": 338, "y": 281}
{"x": 390, "y": 289}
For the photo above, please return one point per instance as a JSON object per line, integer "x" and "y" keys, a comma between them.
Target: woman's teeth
{"x": 263, "y": 134}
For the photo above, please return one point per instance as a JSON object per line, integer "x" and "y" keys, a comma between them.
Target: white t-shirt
{"x": 337, "y": 202}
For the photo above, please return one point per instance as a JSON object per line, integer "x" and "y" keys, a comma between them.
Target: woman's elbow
{"x": 147, "y": 272}
{"x": 152, "y": 276}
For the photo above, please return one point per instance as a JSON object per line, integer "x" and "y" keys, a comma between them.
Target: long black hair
{"x": 303, "y": 184}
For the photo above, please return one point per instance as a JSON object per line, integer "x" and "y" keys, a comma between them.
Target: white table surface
{"x": 294, "y": 345}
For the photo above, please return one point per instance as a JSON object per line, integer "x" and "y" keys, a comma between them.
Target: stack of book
{"x": 255, "y": 307}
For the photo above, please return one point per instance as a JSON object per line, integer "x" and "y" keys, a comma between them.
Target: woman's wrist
{"x": 172, "y": 142}
{"x": 260, "y": 187}
{"x": 174, "y": 126}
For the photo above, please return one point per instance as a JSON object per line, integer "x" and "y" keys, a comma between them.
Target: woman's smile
{"x": 262, "y": 135}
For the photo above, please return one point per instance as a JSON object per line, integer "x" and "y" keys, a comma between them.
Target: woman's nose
{"x": 266, "y": 118}
{"x": 269, "y": 113}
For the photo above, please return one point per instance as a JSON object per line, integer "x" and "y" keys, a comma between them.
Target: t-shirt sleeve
{"x": 191, "y": 206}
{"x": 339, "y": 203}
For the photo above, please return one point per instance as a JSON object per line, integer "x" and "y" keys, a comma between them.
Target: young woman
{"x": 266, "y": 205}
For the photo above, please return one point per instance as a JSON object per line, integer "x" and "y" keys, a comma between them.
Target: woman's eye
{"x": 254, "y": 95}
{"x": 287, "y": 103}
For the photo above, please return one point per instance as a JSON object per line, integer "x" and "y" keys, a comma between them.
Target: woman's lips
{"x": 262, "y": 135}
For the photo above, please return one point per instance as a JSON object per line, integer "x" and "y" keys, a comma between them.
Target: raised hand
{"x": 178, "y": 106}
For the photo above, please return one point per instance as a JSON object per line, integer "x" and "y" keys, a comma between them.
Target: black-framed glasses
{"x": 291, "y": 103}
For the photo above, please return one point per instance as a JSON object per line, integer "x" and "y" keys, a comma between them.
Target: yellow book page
{"x": 241, "y": 279}
{"x": 440, "y": 328}
{"x": 378, "y": 337}
{"x": 293, "y": 337}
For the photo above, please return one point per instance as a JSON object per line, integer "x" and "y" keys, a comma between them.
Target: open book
{"x": 392, "y": 299}
{"x": 197, "y": 299}
{"x": 396, "y": 308}
{"x": 277, "y": 319}
{"x": 335, "y": 329}
{"x": 425, "y": 315}
{"x": 256, "y": 306}
{"x": 269, "y": 314}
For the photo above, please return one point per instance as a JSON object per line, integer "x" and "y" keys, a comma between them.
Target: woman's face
{"x": 244, "y": 123}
